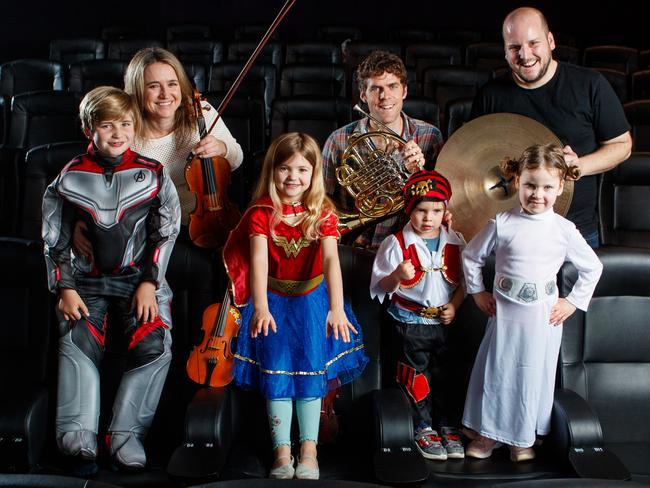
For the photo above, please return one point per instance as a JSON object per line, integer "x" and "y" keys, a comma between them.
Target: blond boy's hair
{"x": 107, "y": 103}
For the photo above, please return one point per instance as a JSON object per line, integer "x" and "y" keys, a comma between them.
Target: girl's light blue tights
{"x": 280, "y": 411}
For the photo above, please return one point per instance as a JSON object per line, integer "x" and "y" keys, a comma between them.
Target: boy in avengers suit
{"x": 132, "y": 215}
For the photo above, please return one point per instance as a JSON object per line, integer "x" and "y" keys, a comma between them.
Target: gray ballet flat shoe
{"x": 304, "y": 472}
{"x": 284, "y": 472}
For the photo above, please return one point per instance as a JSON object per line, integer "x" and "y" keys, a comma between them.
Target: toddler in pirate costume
{"x": 419, "y": 269}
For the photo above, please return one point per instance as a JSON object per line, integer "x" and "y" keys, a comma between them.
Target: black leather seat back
{"x": 444, "y": 84}
{"x": 426, "y": 55}
{"x": 618, "y": 80}
{"x": 254, "y": 32}
{"x": 458, "y": 112}
{"x": 43, "y": 117}
{"x": 27, "y": 308}
{"x": 339, "y": 33}
{"x": 485, "y": 55}
{"x": 624, "y": 191}
{"x": 25, "y": 75}
{"x": 422, "y": 108}
{"x": 638, "y": 115}
{"x": 68, "y": 51}
{"x": 314, "y": 80}
{"x": 22, "y": 76}
{"x": 271, "y": 53}
{"x": 196, "y": 72}
{"x": 191, "y": 276}
{"x": 407, "y": 36}
{"x": 568, "y": 54}
{"x": 204, "y": 51}
{"x": 316, "y": 116}
{"x": 26, "y": 365}
{"x": 620, "y": 58}
{"x": 182, "y": 32}
{"x": 640, "y": 85}
{"x": 261, "y": 80}
{"x": 124, "y": 49}
{"x": 36, "y": 118}
{"x": 313, "y": 52}
{"x": 356, "y": 266}
{"x": 605, "y": 354}
{"x": 86, "y": 75}
{"x": 42, "y": 165}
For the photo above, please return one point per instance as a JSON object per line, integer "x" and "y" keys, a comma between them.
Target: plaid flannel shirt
{"x": 427, "y": 136}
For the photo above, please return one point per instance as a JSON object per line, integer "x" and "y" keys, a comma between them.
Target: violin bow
{"x": 231, "y": 91}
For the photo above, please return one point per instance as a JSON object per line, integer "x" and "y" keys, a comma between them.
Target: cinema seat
{"x": 27, "y": 309}
{"x": 604, "y": 371}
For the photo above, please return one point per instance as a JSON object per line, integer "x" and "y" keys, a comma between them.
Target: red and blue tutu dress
{"x": 298, "y": 361}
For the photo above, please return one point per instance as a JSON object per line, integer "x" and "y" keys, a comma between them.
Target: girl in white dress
{"x": 510, "y": 394}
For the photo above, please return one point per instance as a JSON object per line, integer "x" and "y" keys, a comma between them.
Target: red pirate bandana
{"x": 425, "y": 183}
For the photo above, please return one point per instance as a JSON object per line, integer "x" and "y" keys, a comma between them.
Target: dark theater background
{"x": 202, "y": 436}
{"x": 27, "y": 27}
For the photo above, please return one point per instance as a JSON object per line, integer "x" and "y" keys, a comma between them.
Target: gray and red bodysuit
{"x": 132, "y": 215}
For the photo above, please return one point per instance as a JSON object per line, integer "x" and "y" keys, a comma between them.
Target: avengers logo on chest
{"x": 108, "y": 198}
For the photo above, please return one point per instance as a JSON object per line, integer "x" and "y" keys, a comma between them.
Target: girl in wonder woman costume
{"x": 283, "y": 262}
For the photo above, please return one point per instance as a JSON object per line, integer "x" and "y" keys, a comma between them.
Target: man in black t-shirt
{"x": 577, "y": 104}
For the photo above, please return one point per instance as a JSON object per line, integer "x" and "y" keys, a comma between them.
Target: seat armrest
{"x": 577, "y": 433}
{"x": 574, "y": 423}
{"x": 396, "y": 458}
{"x": 208, "y": 434}
{"x": 23, "y": 426}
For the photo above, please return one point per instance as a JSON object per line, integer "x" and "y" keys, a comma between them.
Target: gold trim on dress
{"x": 294, "y": 287}
{"x": 301, "y": 373}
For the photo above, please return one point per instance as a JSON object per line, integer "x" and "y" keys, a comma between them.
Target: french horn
{"x": 373, "y": 172}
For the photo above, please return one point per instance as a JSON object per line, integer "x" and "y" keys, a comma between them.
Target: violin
{"x": 214, "y": 215}
{"x": 210, "y": 362}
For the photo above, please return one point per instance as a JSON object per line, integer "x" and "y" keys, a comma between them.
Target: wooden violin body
{"x": 208, "y": 230}
{"x": 210, "y": 362}
{"x": 214, "y": 215}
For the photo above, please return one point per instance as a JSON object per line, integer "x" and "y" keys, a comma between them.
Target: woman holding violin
{"x": 169, "y": 132}
{"x": 157, "y": 80}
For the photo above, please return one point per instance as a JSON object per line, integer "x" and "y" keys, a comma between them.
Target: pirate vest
{"x": 450, "y": 263}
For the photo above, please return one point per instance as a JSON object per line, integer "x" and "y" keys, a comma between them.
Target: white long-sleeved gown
{"x": 510, "y": 394}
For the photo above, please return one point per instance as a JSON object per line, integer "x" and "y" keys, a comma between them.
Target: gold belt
{"x": 294, "y": 287}
{"x": 426, "y": 312}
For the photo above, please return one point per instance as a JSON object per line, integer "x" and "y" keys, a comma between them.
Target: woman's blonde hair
{"x": 317, "y": 205}
{"x": 185, "y": 122}
{"x": 107, "y": 103}
{"x": 549, "y": 156}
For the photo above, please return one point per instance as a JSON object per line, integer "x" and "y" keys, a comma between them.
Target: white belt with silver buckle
{"x": 524, "y": 291}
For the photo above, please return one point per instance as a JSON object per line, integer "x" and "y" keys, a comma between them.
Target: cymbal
{"x": 470, "y": 160}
